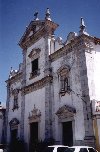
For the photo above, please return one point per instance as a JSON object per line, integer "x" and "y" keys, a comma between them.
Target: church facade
{"x": 52, "y": 93}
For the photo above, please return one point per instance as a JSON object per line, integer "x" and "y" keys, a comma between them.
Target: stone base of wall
{"x": 88, "y": 141}
{"x": 78, "y": 143}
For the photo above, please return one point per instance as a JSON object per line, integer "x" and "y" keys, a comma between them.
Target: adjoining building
{"x": 51, "y": 94}
{"x": 96, "y": 121}
{"x": 2, "y": 124}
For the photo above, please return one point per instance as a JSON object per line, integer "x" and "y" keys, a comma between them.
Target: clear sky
{"x": 15, "y": 15}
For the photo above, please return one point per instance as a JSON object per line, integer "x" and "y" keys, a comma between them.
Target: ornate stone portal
{"x": 14, "y": 123}
{"x": 35, "y": 115}
{"x": 65, "y": 112}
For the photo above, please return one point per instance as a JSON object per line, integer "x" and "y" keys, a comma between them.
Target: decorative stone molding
{"x": 16, "y": 78}
{"x": 37, "y": 85}
{"x": 65, "y": 112}
{"x": 15, "y": 92}
{"x": 15, "y": 101}
{"x": 33, "y": 38}
{"x": 71, "y": 36}
{"x": 58, "y": 54}
{"x": 14, "y": 123}
{"x": 46, "y": 27}
{"x": 35, "y": 53}
{"x": 24, "y": 41}
{"x": 63, "y": 70}
{"x": 63, "y": 73}
{"x": 35, "y": 115}
{"x": 96, "y": 40}
{"x": 80, "y": 42}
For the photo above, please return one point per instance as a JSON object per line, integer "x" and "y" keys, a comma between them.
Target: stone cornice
{"x": 80, "y": 42}
{"x": 58, "y": 54}
{"x": 37, "y": 85}
{"x": 15, "y": 78}
{"x": 50, "y": 25}
{"x": 97, "y": 40}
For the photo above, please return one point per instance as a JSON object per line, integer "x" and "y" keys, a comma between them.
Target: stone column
{"x": 23, "y": 96}
{"x": 88, "y": 122}
{"x": 48, "y": 94}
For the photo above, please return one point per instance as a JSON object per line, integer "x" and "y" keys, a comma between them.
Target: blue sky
{"x": 15, "y": 15}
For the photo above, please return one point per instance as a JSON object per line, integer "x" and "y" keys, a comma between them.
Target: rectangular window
{"x": 35, "y": 65}
{"x": 66, "y": 84}
{"x": 15, "y": 104}
{"x": 35, "y": 68}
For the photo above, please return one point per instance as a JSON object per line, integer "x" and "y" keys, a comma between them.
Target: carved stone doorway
{"x": 67, "y": 133}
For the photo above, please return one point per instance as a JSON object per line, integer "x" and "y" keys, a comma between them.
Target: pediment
{"x": 34, "y": 115}
{"x": 31, "y": 30}
{"x": 63, "y": 70}
{"x": 14, "y": 122}
{"x": 34, "y": 53}
{"x": 66, "y": 111}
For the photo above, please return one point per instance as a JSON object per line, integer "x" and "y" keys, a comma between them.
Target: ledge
{"x": 34, "y": 74}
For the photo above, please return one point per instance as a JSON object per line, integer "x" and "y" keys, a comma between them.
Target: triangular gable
{"x": 32, "y": 28}
{"x": 66, "y": 111}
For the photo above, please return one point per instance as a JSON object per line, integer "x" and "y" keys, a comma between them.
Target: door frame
{"x": 29, "y": 131}
{"x": 61, "y": 128}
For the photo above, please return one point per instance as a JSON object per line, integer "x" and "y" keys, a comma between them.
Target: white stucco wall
{"x": 36, "y": 98}
{"x": 69, "y": 99}
{"x": 93, "y": 71}
{"x": 41, "y": 45}
{"x": 17, "y": 112}
{"x": 97, "y": 72}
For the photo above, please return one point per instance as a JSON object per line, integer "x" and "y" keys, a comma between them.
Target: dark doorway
{"x": 33, "y": 135}
{"x": 13, "y": 145}
{"x": 67, "y": 133}
{"x": 14, "y": 135}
